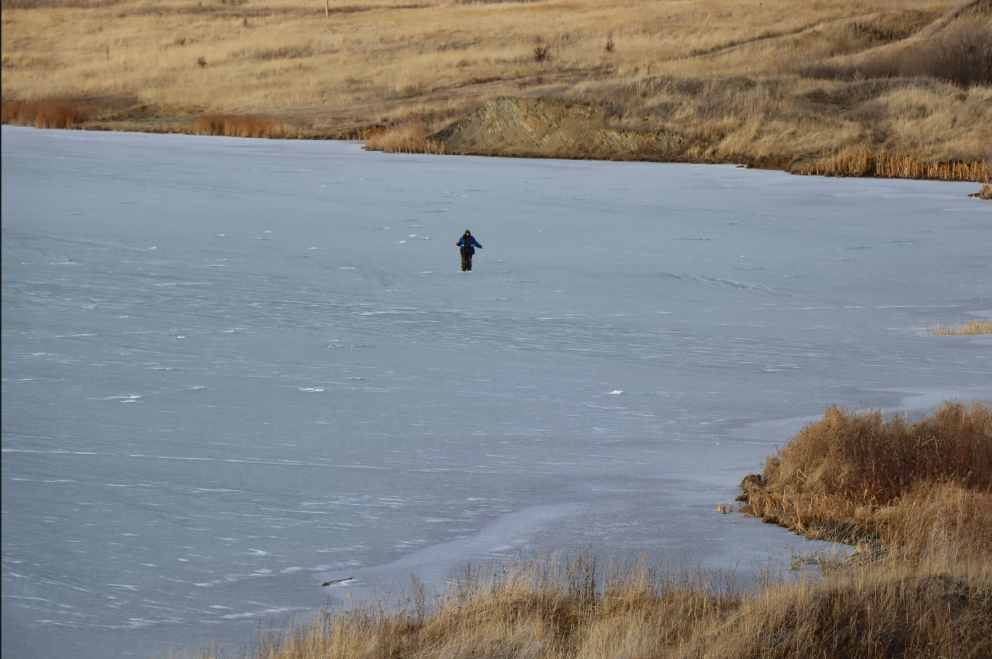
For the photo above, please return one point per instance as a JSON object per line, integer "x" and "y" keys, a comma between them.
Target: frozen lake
{"x": 233, "y": 369}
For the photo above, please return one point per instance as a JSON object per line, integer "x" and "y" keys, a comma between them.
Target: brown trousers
{"x": 466, "y": 262}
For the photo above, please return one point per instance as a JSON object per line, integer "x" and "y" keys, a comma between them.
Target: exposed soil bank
{"x": 550, "y": 128}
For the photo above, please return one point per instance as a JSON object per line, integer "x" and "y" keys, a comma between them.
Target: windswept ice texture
{"x": 233, "y": 370}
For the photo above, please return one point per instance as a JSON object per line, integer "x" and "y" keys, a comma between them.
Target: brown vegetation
{"x": 961, "y": 54}
{"x": 857, "y": 477}
{"x": 754, "y": 81}
{"x": 985, "y": 193}
{"x": 43, "y": 115}
{"x": 866, "y": 162}
{"x": 242, "y": 126}
{"x": 922, "y": 493}
{"x": 411, "y": 136}
{"x": 971, "y": 328}
{"x": 559, "y": 610}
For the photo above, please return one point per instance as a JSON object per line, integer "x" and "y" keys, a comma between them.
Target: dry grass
{"x": 44, "y": 115}
{"x": 242, "y": 126}
{"x": 738, "y": 77}
{"x": 407, "y": 137}
{"x": 962, "y": 54}
{"x": 848, "y": 476}
{"x": 570, "y": 610}
{"x": 985, "y": 193}
{"x": 924, "y": 490}
{"x": 867, "y": 162}
{"x": 971, "y": 328}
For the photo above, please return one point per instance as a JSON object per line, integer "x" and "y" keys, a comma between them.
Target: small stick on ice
{"x": 328, "y": 583}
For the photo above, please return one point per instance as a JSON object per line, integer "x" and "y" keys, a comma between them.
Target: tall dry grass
{"x": 572, "y": 610}
{"x": 868, "y": 162}
{"x": 732, "y": 75}
{"x": 406, "y": 137}
{"x": 44, "y": 115}
{"x": 971, "y": 328}
{"x": 848, "y": 476}
{"x": 242, "y": 126}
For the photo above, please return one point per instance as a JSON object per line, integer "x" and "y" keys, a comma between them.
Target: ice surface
{"x": 235, "y": 369}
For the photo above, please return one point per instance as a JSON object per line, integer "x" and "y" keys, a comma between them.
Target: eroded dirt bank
{"x": 550, "y": 128}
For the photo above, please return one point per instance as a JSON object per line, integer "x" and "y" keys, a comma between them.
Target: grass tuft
{"x": 406, "y": 137}
{"x": 971, "y": 328}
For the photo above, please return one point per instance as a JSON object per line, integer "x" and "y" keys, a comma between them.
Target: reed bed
{"x": 971, "y": 328}
{"x": 242, "y": 126}
{"x": 868, "y": 162}
{"x": 44, "y": 115}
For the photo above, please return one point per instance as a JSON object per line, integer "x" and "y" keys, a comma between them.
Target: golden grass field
{"x": 916, "y": 496}
{"x": 759, "y": 81}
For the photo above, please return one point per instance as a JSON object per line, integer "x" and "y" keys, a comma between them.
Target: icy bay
{"x": 235, "y": 369}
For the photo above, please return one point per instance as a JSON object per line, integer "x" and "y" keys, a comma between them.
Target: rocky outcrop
{"x": 550, "y": 128}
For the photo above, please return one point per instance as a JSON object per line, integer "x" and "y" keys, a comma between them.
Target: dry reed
{"x": 849, "y": 475}
{"x": 971, "y": 328}
{"x": 869, "y": 162}
{"x": 43, "y": 115}
{"x": 242, "y": 126}
{"x": 407, "y": 137}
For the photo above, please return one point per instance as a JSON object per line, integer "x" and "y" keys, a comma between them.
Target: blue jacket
{"x": 470, "y": 247}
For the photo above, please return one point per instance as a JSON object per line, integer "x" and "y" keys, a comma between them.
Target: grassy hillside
{"x": 763, "y": 81}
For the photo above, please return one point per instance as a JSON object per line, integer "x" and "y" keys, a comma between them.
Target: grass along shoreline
{"x": 916, "y": 496}
{"x": 415, "y": 136}
{"x": 877, "y": 88}
{"x": 971, "y": 328}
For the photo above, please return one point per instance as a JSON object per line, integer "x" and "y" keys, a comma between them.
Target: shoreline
{"x": 782, "y": 164}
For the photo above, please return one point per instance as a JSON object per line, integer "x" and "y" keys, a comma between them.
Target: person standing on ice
{"x": 468, "y": 243}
